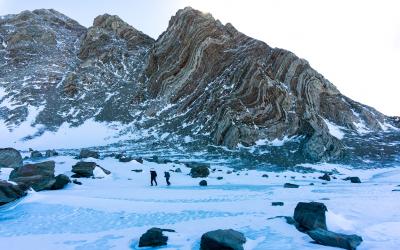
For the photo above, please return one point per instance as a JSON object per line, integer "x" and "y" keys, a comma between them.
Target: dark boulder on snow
{"x": 310, "y": 216}
{"x": 199, "y": 171}
{"x": 277, "y": 203}
{"x": 290, "y": 185}
{"x": 139, "y": 159}
{"x": 51, "y": 153}
{"x": 10, "y": 191}
{"x": 353, "y": 179}
{"x": 222, "y": 240}
{"x": 203, "y": 183}
{"x": 36, "y": 154}
{"x": 86, "y": 169}
{"x": 264, "y": 176}
{"x": 75, "y": 181}
{"x": 154, "y": 237}
{"x": 178, "y": 170}
{"x": 86, "y": 153}
{"x": 328, "y": 238}
{"x": 10, "y": 158}
{"x": 61, "y": 181}
{"x": 39, "y": 176}
{"x": 325, "y": 177}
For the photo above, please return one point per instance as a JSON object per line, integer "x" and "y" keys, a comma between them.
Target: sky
{"x": 355, "y": 44}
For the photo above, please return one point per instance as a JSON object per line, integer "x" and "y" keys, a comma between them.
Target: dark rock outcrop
{"x": 51, "y": 153}
{"x": 39, "y": 176}
{"x": 222, "y": 240}
{"x": 85, "y": 169}
{"x": 61, "y": 181}
{"x": 154, "y": 237}
{"x": 310, "y": 216}
{"x": 325, "y": 177}
{"x": 328, "y": 238}
{"x": 290, "y": 185}
{"x": 86, "y": 153}
{"x": 353, "y": 179}
{"x": 10, "y": 192}
{"x": 10, "y": 158}
{"x": 199, "y": 171}
{"x": 36, "y": 154}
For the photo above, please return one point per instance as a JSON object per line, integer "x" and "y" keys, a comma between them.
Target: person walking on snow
{"x": 167, "y": 176}
{"x": 153, "y": 176}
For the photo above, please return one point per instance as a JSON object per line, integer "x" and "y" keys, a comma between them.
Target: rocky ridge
{"x": 200, "y": 78}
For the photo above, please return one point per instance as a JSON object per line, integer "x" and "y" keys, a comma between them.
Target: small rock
{"x": 277, "y": 203}
{"x": 290, "y": 185}
{"x": 203, "y": 183}
{"x": 222, "y": 239}
{"x": 311, "y": 184}
{"x": 139, "y": 159}
{"x": 328, "y": 238}
{"x": 396, "y": 190}
{"x": 10, "y": 158}
{"x": 153, "y": 238}
{"x": 137, "y": 170}
{"x": 293, "y": 177}
{"x": 86, "y": 153}
{"x": 75, "y": 181}
{"x": 178, "y": 170}
{"x": 353, "y": 179}
{"x": 264, "y": 176}
{"x": 125, "y": 159}
{"x": 325, "y": 177}
{"x": 228, "y": 172}
{"x": 220, "y": 178}
{"x": 36, "y": 154}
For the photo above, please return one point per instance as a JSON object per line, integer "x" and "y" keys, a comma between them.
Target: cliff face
{"x": 199, "y": 78}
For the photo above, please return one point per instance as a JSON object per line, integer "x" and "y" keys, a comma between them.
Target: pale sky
{"x": 355, "y": 44}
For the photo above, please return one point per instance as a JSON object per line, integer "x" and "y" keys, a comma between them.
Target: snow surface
{"x": 113, "y": 212}
{"x": 334, "y": 129}
{"x": 90, "y": 133}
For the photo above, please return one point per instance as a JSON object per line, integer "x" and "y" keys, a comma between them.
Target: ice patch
{"x": 334, "y": 129}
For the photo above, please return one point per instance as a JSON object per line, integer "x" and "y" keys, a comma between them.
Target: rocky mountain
{"x": 200, "y": 78}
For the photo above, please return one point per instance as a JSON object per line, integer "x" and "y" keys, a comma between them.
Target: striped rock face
{"x": 200, "y": 78}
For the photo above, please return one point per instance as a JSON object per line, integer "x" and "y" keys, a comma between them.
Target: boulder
{"x": 51, "y": 153}
{"x": 310, "y": 216}
{"x": 220, "y": 178}
{"x": 328, "y": 238}
{"x": 39, "y": 176}
{"x": 137, "y": 170}
{"x": 277, "y": 203}
{"x": 199, "y": 171}
{"x": 139, "y": 159}
{"x": 264, "y": 176}
{"x": 86, "y": 153}
{"x": 222, "y": 240}
{"x": 154, "y": 237}
{"x": 36, "y": 154}
{"x": 290, "y": 185}
{"x": 10, "y": 158}
{"x": 178, "y": 170}
{"x": 85, "y": 169}
{"x": 353, "y": 179}
{"x": 203, "y": 183}
{"x": 10, "y": 192}
{"x": 325, "y": 177}
{"x": 61, "y": 181}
